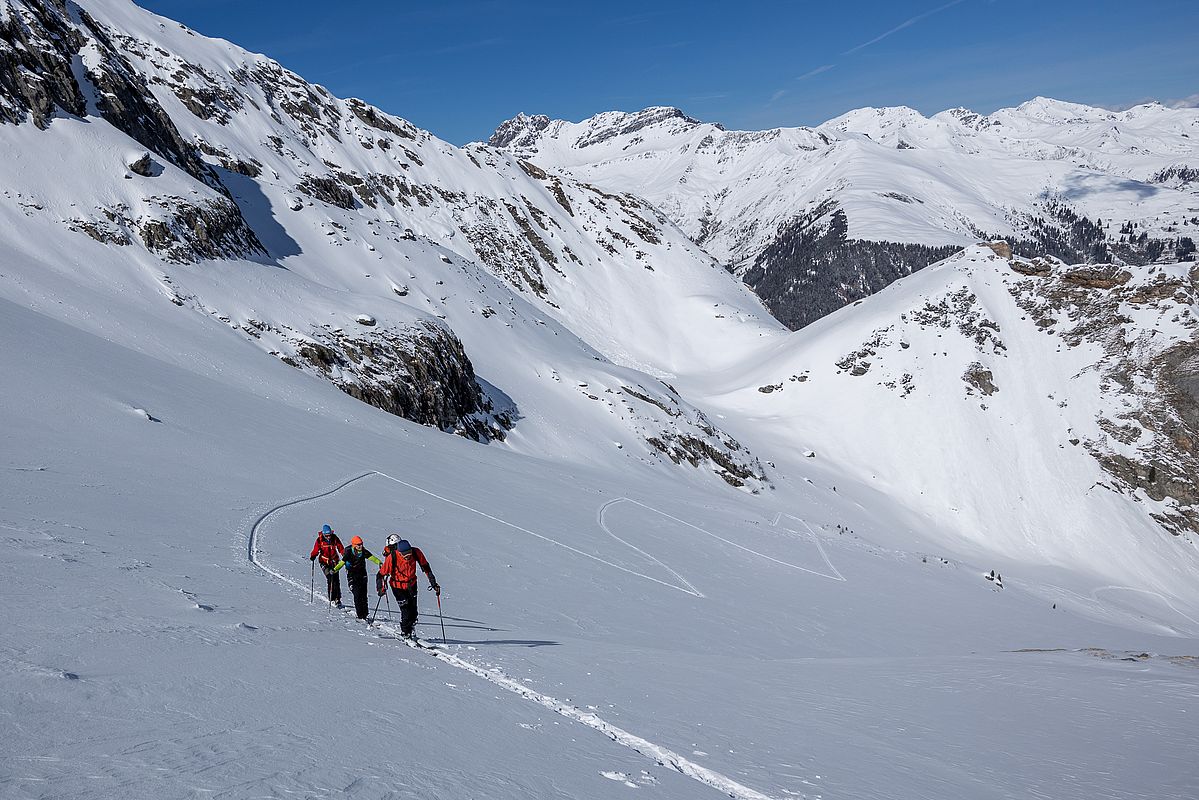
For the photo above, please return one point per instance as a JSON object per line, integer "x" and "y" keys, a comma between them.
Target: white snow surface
{"x": 899, "y": 176}
{"x": 614, "y": 623}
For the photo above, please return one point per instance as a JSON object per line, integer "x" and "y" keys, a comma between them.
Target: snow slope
{"x": 898, "y": 176}
{"x": 815, "y": 661}
{"x": 993, "y": 402}
{"x": 615, "y": 620}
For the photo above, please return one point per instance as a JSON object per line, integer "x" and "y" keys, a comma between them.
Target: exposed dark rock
{"x": 532, "y": 170}
{"x": 680, "y": 448}
{"x": 520, "y": 131}
{"x": 142, "y": 166}
{"x": 251, "y": 168}
{"x": 103, "y": 232}
{"x": 1156, "y": 447}
{"x": 37, "y": 47}
{"x": 645, "y": 398}
{"x": 999, "y": 248}
{"x": 190, "y": 232}
{"x": 1096, "y": 277}
{"x": 327, "y": 190}
{"x": 1178, "y": 176}
{"x": 373, "y": 117}
{"x": 311, "y": 107}
{"x": 980, "y": 378}
{"x": 1038, "y": 268}
{"x": 41, "y": 70}
{"x": 422, "y": 374}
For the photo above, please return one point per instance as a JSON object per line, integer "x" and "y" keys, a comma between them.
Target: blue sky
{"x": 460, "y": 68}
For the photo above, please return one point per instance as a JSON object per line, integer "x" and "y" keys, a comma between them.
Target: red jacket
{"x": 329, "y": 552}
{"x": 401, "y": 569}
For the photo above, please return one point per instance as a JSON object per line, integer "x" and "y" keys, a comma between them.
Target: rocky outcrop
{"x": 520, "y": 131}
{"x": 1103, "y": 276}
{"x": 180, "y": 231}
{"x": 979, "y": 378}
{"x": 421, "y": 374}
{"x": 999, "y": 248}
{"x": 1037, "y": 268}
{"x": 55, "y": 57}
{"x": 143, "y": 166}
{"x": 685, "y": 435}
{"x": 44, "y": 66}
{"x": 1151, "y": 444}
{"x": 38, "y": 47}
{"x": 188, "y": 232}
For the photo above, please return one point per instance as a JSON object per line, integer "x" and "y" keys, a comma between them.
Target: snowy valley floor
{"x": 772, "y": 652}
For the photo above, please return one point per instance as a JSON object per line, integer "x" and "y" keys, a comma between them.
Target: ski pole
{"x": 375, "y": 615}
{"x": 312, "y": 584}
{"x": 443, "y": 641}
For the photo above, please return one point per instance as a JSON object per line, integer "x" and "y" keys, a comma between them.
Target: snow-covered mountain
{"x": 940, "y": 543}
{"x": 815, "y": 218}
{"x": 346, "y": 238}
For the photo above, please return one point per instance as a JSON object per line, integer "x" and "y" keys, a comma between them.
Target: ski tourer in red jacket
{"x": 328, "y": 549}
{"x": 400, "y": 560}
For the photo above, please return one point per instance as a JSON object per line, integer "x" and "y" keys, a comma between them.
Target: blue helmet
{"x": 326, "y": 531}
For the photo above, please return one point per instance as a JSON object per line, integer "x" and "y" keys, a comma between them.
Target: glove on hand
{"x": 312, "y": 558}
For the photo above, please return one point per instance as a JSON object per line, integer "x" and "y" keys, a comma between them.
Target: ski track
{"x": 599, "y": 518}
{"x": 1150, "y": 592}
{"x": 661, "y": 755}
{"x": 836, "y": 576}
{"x": 719, "y": 539}
{"x": 1095, "y": 606}
{"x": 543, "y": 537}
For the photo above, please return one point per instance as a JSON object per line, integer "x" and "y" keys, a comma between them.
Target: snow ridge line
{"x": 599, "y": 518}
{"x": 661, "y": 755}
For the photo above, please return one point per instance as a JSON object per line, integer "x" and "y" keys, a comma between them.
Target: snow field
{"x": 831, "y": 637}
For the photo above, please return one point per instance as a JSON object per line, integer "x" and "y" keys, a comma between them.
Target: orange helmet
{"x": 357, "y": 540}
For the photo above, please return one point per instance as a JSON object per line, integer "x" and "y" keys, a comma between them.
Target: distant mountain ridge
{"x": 1069, "y": 180}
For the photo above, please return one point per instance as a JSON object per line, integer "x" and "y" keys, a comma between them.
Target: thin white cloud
{"x": 905, "y": 24}
{"x": 777, "y": 95}
{"x": 1185, "y": 102}
{"x": 814, "y": 72}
